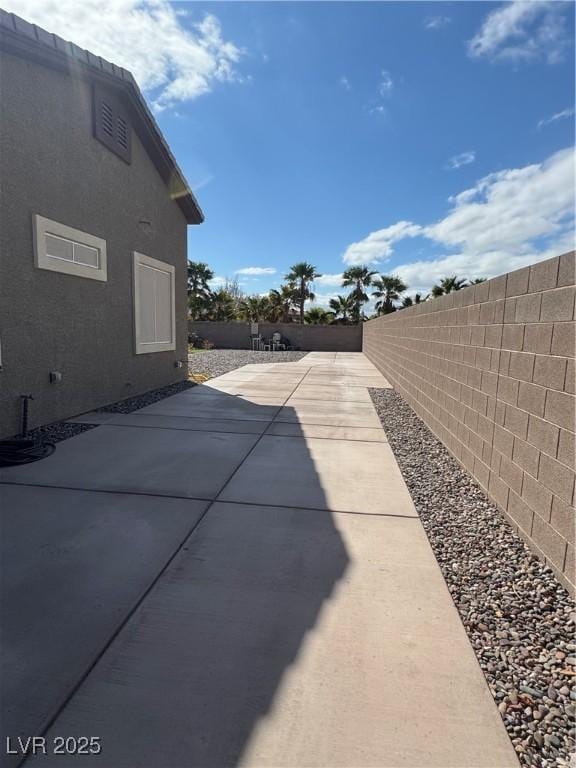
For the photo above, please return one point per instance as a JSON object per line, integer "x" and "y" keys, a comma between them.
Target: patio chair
{"x": 277, "y": 341}
{"x": 287, "y": 346}
{"x": 256, "y": 342}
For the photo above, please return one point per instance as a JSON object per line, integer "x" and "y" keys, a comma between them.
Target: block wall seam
{"x": 495, "y": 389}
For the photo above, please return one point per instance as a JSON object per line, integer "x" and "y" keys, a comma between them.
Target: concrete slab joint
{"x": 245, "y": 557}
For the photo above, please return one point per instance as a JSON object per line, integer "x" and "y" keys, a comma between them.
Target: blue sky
{"x": 420, "y": 138}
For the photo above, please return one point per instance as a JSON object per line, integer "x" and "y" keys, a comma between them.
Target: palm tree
{"x": 254, "y": 308}
{"x": 300, "y": 277}
{"x": 342, "y": 307}
{"x": 359, "y": 278}
{"x": 388, "y": 290}
{"x": 199, "y": 275}
{"x": 477, "y": 281}
{"x": 222, "y": 306}
{"x": 408, "y": 301}
{"x": 318, "y": 316}
{"x": 448, "y": 285}
{"x": 281, "y": 302}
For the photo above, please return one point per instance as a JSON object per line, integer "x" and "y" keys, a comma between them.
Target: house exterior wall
{"x": 311, "y": 338}
{"x": 490, "y": 369}
{"x": 51, "y": 165}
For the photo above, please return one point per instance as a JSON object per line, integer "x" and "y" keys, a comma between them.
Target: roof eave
{"x": 23, "y": 38}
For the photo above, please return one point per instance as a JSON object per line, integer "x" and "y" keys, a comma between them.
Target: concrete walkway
{"x": 236, "y": 575}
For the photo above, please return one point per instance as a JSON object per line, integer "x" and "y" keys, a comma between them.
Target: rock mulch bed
{"x": 60, "y": 430}
{"x": 141, "y": 401}
{"x": 205, "y": 365}
{"x": 215, "y": 362}
{"x": 519, "y": 619}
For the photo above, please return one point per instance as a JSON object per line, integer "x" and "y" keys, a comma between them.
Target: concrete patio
{"x": 236, "y": 575}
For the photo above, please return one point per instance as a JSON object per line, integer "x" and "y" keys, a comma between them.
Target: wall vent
{"x": 123, "y": 132}
{"x": 111, "y": 125}
{"x": 107, "y": 118}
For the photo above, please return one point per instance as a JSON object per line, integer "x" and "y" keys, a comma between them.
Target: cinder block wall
{"x": 490, "y": 369}
{"x": 311, "y": 338}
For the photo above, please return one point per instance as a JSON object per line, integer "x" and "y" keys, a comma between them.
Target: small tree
{"x": 318, "y": 316}
{"x": 281, "y": 302}
{"x": 408, "y": 301}
{"x": 232, "y": 287}
{"x": 222, "y": 306}
{"x": 199, "y": 276}
{"x": 359, "y": 278}
{"x": 342, "y": 307}
{"x": 388, "y": 290}
{"x": 448, "y": 285}
{"x": 300, "y": 277}
{"x": 254, "y": 309}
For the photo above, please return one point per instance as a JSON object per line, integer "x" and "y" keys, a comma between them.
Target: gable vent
{"x": 123, "y": 132}
{"x": 107, "y": 118}
{"x": 111, "y": 124}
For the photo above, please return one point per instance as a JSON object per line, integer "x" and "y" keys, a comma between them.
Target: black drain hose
{"x": 22, "y": 451}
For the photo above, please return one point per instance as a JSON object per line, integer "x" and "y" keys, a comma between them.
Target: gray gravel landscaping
{"x": 215, "y": 362}
{"x": 141, "y": 401}
{"x": 60, "y": 430}
{"x": 207, "y": 364}
{"x": 519, "y": 618}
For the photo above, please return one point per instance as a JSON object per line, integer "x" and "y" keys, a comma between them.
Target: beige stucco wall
{"x": 490, "y": 369}
{"x": 51, "y": 165}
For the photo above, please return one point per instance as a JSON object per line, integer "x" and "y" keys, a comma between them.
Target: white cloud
{"x": 378, "y": 245}
{"x": 436, "y": 22}
{"x": 345, "y": 83}
{"x": 522, "y": 30}
{"x": 386, "y": 83}
{"x": 329, "y": 280}
{"x": 322, "y": 300}
{"x": 378, "y": 110}
{"x": 217, "y": 282}
{"x": 558, "y": 116}
{"x": 507, "y": 220}
{"x": 172, "y": 60}
{"x": 464, "y": 158}
{"x": 385, "y": 88}
{"x": 421, "y": 275}
{"x": 256, "y": 271}
{"x": 510, "y": 209}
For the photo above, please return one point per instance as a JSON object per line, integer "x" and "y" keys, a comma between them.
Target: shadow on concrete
{"x": 164, "y": 626}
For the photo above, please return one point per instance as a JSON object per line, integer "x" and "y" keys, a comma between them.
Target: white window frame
{"x": 42, "y": 260}
{"x": 145, "y": 347}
